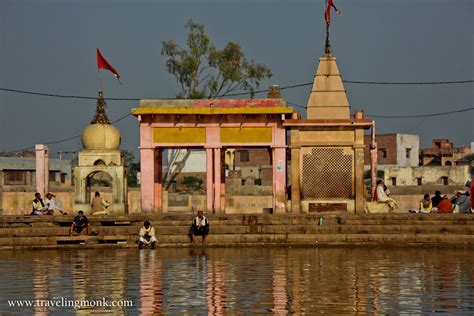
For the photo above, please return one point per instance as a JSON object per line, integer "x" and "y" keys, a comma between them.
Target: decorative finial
{"x": 327, "y": 48}
{"x": 100, "y": 117}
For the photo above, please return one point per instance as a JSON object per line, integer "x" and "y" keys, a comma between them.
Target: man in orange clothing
{"x": 445, "y": 206}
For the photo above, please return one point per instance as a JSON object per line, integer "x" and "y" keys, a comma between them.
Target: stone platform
{"x": 32, "y": 232}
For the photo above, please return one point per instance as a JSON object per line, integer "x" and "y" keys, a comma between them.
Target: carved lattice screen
{"x": 327, "y": 172}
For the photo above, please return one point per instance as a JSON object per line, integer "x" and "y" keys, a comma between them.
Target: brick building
{"x": 443, "y": 153}
{"x": 254, "y": 164}
{"x": 394, "y": 149}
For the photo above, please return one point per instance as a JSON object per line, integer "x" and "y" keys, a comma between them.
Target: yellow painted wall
{"x": 179, "y": 135}
{"x": 246, "y": 135}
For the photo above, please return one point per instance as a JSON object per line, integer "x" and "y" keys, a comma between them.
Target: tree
{"x": 132, "y": 168}
{"x": 203, "y": 71}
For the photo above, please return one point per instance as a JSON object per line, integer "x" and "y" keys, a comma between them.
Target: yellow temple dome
{"x": 100, "y": 134}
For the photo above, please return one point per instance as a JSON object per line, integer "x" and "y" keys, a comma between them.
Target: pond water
{"x": 244, "y": 281}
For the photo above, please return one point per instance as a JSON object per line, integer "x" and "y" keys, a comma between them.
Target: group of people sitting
{"x": 459, "y": 203}
{"x": 49, "y": 206}
{"x": 146, "y": 235}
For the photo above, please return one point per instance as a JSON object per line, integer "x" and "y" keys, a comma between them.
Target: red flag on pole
{"x": 327, "y": 13}
{"x": 104, "y": 64}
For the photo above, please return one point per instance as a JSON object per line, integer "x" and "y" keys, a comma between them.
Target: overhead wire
{"x": 56, "y": 95}
{"x": 251, "y": 92}
{"x": 67, "y": 139}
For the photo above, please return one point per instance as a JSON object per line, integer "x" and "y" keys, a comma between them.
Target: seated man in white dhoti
{"x": 147, "y": 236}
{"x": 382, "y": 197}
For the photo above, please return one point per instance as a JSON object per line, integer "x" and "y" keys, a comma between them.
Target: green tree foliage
{"x": 132, "y": 168}
{"x": 203, "y": 71}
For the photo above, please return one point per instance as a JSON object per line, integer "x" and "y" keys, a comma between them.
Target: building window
{"x": 383, "y": 152}
{"x": 419, "y": 181}
{"x": 408, "y": 152}
{"x": 394, "y": 181}
{"x": 15, "y": 177}
{"x": 437, "y": 144}
{"x": 52, "y": 176}
{"x": 244, "y": 156}
{"x": 445, "y": 180}
{"x": 63, "y": 177}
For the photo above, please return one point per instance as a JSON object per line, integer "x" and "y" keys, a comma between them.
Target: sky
{"x": 49, "y": 46}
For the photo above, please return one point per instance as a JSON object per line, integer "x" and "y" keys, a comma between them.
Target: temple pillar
{"x": 359, "y": 178}
{"x": 158, "y": 179}
{"x": 147, "y": 179}
{"x": 209, "y": 179}
{"x": 217, "y": 180}
{"x": 279, "y": 180}
{"x": 42, "y": 169}
{"x": 295, "y": 171}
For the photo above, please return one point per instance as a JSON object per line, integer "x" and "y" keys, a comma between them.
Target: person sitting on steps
{"x": 79, "y": 223}
{"x": 99, "y": 205}
{"x": 38, "y": 205}
{"x": 147, "y": 236}
{"x": 199, "y": 227}
{"x": 382, "y": 197}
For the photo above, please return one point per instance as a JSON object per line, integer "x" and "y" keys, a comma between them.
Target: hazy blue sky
{"x": 49, "y": 46}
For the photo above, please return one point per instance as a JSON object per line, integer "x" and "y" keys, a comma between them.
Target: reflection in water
{"x": 151, "y": 290}
{"x": 202, "y": 281}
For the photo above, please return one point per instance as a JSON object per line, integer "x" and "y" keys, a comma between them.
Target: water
{"x": 241, "y": 281}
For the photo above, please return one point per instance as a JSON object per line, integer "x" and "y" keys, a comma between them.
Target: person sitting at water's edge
{"x": 79, "y": 223}
{"x": 38, "y": 205}
{"x": 199, "y": 227}
{"x": 147, "y": 236}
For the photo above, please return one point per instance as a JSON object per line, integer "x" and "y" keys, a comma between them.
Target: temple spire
{"x": 100, "y": 116}
{"x": 328, "y": 99}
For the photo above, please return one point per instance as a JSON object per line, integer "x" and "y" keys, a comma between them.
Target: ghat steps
{"x": 245, "y": 230}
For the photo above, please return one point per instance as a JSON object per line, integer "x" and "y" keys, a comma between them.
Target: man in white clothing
{"x": 382, "y": 197}
{"x": 147, "y": 236}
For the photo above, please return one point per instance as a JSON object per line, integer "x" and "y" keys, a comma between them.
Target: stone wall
{"x": 20, "y": 203}
{"x": 429, "y": 175}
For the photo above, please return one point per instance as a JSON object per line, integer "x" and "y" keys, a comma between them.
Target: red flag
{"x": 327, "y": 13}
{"x": 104, "y": 64}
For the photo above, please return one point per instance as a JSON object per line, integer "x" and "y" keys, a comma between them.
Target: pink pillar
{"x": 42, "y": 169}
{"x": 147, "y": 175}
{"x": 158, "y": 179}
{"x": 209, "y": 179}
{"x": 217, "y": 180}
{"x": 279, "y": 180}
{"x": 147, "y": 168}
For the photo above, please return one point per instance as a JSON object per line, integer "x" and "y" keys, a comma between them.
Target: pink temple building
{"x": 213, "y": 126}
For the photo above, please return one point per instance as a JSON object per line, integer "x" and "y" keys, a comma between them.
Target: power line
{"x": 69, "y": 138}
{"x": 421, "y": 115}
{"x": 66, "y": 96}
{"x": 408, "y": 83}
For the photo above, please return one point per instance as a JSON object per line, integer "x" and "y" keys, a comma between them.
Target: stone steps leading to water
{"x": 237, "y": 230}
